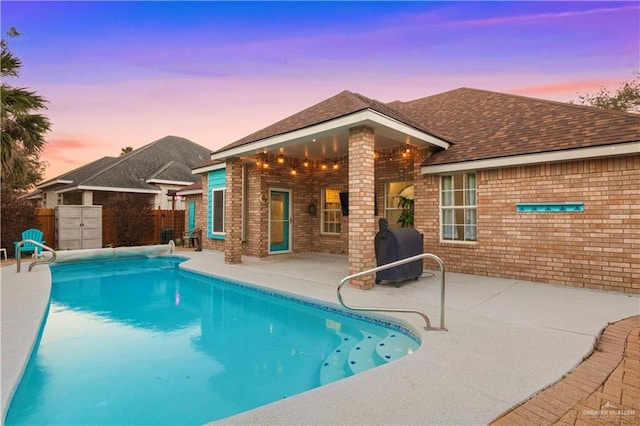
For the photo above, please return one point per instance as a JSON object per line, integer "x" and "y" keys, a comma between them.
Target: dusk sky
{"x": 120, "y": 74}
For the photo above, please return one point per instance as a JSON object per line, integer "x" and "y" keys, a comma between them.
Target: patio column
{"x": 233, "y": 212}
{"x": 361, "y": 205}
{"x": 87, "y": 198}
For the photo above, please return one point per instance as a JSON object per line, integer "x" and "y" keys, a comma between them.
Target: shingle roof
{"x": 83, "y": 172}
{"x": 479, "y": 124}
{"x": 483, "y": 124}
{"x": 340, "y": 105}
{"x": 170, "y": 158}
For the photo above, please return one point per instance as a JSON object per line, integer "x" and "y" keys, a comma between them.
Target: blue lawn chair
{"x": 30, "y": 234}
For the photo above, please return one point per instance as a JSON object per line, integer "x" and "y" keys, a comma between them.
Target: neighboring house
{"x": 156, "y": 171}
{"x": 503, "y": 185}
{"x": 192, "y": 196}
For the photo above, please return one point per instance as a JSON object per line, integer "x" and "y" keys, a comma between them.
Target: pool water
{"x": 142, "y": 342}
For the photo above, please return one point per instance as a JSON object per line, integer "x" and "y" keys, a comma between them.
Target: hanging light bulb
{"x": 281, "y": 159}
{"x": 305, "y": 163}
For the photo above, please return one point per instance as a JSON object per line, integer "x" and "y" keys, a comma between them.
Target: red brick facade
{"x": 598, "y": 248}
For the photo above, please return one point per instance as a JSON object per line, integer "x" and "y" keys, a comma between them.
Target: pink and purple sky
{"x": 120, "y": 74}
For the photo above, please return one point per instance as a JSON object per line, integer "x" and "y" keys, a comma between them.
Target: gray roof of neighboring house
{"x": 168, "y": 159}
{"x": 479, "y": 124}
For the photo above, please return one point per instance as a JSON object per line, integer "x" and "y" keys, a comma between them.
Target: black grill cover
{"x": 397, "y": 244}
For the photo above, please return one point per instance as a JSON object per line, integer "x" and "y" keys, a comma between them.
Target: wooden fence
{"x": 47, "y": 224}
{"x": 166, "y": 225}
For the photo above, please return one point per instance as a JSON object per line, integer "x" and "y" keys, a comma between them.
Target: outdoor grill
{"x": 397, "y": 244}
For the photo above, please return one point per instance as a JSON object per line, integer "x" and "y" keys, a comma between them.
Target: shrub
{"x": 131, "y": 216}
{"x": 16, "y": 215}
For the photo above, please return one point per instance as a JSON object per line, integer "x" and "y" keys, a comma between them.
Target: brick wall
{"x": 598, "y": 248}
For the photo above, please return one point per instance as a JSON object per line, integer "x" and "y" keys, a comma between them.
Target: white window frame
{"x": 213, "y": 210}
{"x": 334, "y": 211}
{"x": 459, "y": 203}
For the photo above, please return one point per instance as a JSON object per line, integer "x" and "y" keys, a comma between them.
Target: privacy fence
{"x": 158, "y": 227}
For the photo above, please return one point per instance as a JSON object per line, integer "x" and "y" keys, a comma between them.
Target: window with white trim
{"x": 393, "y": 194}
{"x": 458, "y": 207}
{"x": 217, "y": 210}
{"x": 330, "y": 212}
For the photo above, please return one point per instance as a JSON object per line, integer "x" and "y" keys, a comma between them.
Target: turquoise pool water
{"x": 139, "y": 341}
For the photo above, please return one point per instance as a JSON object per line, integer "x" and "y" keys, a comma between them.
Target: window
{"x": 217, "y": 211}
{"x": 458, "y": 207}
{"x": 393, "y": 193}
{"x": 331, "y": 213}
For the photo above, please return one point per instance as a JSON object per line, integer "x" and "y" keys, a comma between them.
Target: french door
{"x": 279, "y": 221}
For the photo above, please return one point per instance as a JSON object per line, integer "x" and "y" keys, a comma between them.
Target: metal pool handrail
{"x": 391, "y": 265}
{"x": 36, "y": 262}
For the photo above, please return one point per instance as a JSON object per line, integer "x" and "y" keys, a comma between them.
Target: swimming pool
{"x": 142, "y": 342}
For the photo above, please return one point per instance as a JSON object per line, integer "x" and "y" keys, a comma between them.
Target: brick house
{"x": 503, "y": 185}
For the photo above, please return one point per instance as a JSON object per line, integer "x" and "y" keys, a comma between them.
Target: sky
{"x": 120, "y": 74}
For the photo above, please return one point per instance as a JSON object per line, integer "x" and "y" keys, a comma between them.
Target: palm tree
{"x": 23, "y": 129}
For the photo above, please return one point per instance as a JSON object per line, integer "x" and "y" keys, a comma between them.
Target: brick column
{"x": 421, "y": 201}
{"x": 233, "y": 212}
{"x": 361, "y": 204}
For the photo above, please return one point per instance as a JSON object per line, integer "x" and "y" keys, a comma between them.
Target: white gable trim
{"x": 190, "y": 192}
{"x": 366, "y": 116}
{"x": 54, "y": 182}
{"x": 168, "y": 182}
{"x": 210, "y": 168}
{"x": 109, "y": 189}
{"x": 543, "y": 157}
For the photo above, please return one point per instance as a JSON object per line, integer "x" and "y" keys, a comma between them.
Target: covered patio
{"x": 318, "y": 180}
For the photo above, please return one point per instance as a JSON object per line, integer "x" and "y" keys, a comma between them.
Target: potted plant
{"x": 406, "y": 217}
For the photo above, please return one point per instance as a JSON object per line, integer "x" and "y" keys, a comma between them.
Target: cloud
{"x": 67, "y": 152}
{"x": 569, "y": 87}
{"x": 517, "y": 19}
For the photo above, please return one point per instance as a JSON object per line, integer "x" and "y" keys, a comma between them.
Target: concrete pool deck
{"x": 506, "y": 341}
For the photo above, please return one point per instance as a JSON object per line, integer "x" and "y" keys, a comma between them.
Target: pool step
{"x": 363, "y": 355}
{"x": 334, "y": 366}
{"x": 395, "y": 345}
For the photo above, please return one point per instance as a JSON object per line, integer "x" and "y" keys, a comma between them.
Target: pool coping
{"x": 603, "y": 389}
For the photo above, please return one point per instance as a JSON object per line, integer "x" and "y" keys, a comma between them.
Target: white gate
{"x": 78, "y": 227}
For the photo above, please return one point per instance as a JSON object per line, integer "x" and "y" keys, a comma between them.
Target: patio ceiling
{"x": 331, "y": 139}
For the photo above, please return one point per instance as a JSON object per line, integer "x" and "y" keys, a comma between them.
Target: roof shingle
{"x": 479, "y": 124}
{"x": 483, "y": 124}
